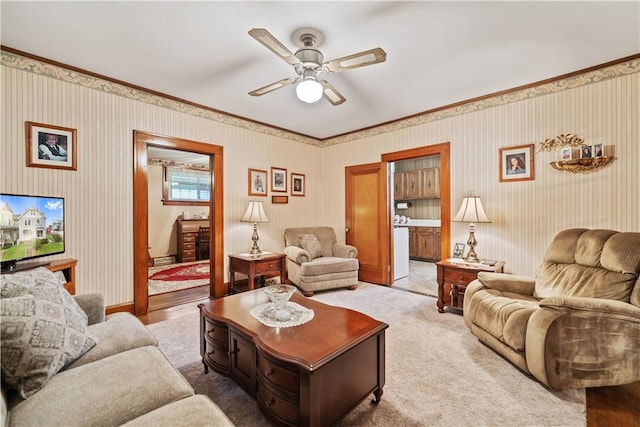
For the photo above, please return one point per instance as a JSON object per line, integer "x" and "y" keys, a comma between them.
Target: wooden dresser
{"x": 187, "y": 230}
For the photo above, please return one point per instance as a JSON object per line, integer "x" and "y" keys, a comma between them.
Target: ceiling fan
{"x": 308, "y": 62}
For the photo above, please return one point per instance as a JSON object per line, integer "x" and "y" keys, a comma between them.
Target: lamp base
{"x": 255, "y": 250}
{"x": 472, "y": 242}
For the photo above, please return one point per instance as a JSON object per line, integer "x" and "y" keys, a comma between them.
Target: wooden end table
{"x": 257, "y": 266}
{"x": 453, "y": 279}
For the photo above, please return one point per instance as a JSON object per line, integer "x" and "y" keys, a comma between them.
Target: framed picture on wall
{"x": 257, "y": 182}
{"x": 50, "y": 146}
{"x": 297, "y": 184}
{"x": 516, "y": 163}
{"x": 278, "y": 180}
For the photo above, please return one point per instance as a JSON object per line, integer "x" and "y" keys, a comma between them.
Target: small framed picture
{"x": 566, "y": 153}
{"x": 297, "y": 184}
{"x": 586, "y": 152}
{"x": 278, "y": 180}
{"x": 516, "y": 163}
{"x": 257, "y": 182}
{"x": 598, "y": 150}
{"x": 50, "y": 146}
{"x": 458, "y": 251}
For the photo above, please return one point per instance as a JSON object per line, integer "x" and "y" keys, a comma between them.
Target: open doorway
{"x": 142, "y": 143}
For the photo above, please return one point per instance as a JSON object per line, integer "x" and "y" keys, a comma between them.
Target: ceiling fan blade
{"x": 331, "y": 94}
{"x": 271, "y": 43}
{"x": 273, "y": 86}
{"x": 368, "y": 57}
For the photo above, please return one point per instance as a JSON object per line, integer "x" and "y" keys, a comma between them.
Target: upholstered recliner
{"x": 577, "y": 323}
{"x": 316, "y": 262}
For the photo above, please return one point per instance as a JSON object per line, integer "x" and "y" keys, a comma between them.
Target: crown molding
{"x": 23, "y": 61}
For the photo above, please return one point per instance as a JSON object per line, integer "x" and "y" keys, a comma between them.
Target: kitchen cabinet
{"x": 424, "y": 243}
{"x": 417, "y": 184}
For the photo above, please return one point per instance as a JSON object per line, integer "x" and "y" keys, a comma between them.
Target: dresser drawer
{"x": 262, "y": 267}
{"x": 217, "y": 333}
{"x": 459, "y": 277}
{"x": 188, "y": 238}
{"x": 278, "y": 376}
{"x": 280, "y": 409}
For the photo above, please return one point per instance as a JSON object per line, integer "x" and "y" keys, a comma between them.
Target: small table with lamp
{"x": 453, "y": 277}
{"x": 257, "y": 266}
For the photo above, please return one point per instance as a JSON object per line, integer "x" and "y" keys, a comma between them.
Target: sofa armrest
{"x": 92, "y": 304}
{"x": 297, "y": 254}
{"x": 523, "y": 285}
{"x": 344, "y": 251}
{"x": 597, "y": 305}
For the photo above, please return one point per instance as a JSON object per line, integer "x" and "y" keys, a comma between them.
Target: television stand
{"x": 67, "y": 266}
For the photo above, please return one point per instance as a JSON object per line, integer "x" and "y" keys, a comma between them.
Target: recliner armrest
{"x": 596, "y": 305}
{"x": 344, "y": 251}
{"x": 94, "y": 305}
{"x": 297, "y": 254}
{"x": 523, "y": 285}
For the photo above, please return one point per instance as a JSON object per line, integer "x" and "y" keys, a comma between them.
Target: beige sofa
{"x": 577, "y": 323}
{"x": 124, "y": 379}
{"x": 316, "y": 262}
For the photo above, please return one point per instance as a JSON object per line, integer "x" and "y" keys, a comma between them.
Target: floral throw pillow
{"x": 43, "y": 329}
{"x": 311, "y": 244}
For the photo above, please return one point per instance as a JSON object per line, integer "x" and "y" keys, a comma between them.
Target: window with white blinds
{"x": 186, "y": 185}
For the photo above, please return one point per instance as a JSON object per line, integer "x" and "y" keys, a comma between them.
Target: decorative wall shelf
{"x": 581, "y": 165}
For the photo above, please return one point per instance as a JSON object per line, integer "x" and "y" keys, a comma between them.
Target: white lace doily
{"x": 266, "y": 314}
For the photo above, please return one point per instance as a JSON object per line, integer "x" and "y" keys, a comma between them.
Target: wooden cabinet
{"x": 424, "y": 243}
{"x": 242, "y": 358}
{"x": 430, "y": 183}
{"x": 187, "y": 232}
{"x": 417, "y": 184}
{"x": 68, "y": 268}
{"x": 453, "y": 279}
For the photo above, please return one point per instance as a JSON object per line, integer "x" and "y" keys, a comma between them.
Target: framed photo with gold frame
{"x": 516, "y": 163}
{"x": 257, "y": 182}
{"x": 278, "y": 180}
{"x": 297, "y": 184}
{"x": 50, "y": 146}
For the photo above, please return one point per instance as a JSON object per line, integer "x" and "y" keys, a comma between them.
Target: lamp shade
{"x": 255, "y": 213}
{"x": 309, "y": 90}
{"x": 471, "y": 210}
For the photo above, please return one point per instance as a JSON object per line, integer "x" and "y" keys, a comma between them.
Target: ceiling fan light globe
{"x": 309, "y": 91}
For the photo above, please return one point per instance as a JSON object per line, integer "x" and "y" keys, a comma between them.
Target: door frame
{"x": 442, "y": 149}
{"x": 141, "y": 140}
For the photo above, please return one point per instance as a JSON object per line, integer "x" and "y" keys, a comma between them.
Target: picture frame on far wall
{"x": 50, "y": 146}
{"x": 257, "y": 182}
{"x": 516, "y": 163}
{"x": 297, "y": 184}
{"x": 278, "y": 180}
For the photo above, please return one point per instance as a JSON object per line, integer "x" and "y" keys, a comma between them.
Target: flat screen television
{"x": 30, "y": 227}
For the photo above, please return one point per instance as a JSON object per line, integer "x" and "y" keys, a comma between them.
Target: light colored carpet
{"x": 438, "y": 373}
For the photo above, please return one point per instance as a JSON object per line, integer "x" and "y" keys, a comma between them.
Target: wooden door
{"x": 367, "y": 220}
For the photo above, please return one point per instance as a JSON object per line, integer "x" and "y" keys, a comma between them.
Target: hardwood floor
{"x": 616, "y": 406}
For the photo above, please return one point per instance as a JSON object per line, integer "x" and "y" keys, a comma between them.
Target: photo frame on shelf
{"x": 257, "y": 182}
{"x": 278, "y": 180}
{"x": 458, "y": 251}
{"x": 586, "y": 152}
{"x": 50, "y": 146}
{"x": 297, "y": 184}
{"x": 598, "y": 150}
{"x": 516, "y": 163}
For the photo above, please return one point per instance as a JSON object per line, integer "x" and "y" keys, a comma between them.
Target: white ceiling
{"x": 438, "y": 53}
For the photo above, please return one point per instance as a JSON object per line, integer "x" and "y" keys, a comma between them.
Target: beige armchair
{"x": 316, "y": 262}
{"x": 577, "y": 323}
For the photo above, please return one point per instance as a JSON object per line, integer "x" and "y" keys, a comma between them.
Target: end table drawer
{"x": 459, "y": 277}
{"x": 262, "y": 267}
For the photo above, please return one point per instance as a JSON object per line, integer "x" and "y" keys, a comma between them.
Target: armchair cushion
{"x": 311, "y": 244}
{"x": 328, "y": 265}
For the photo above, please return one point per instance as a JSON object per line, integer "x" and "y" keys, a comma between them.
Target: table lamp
{"x": 471, "y": 211}
{"x": 255, "y": 214}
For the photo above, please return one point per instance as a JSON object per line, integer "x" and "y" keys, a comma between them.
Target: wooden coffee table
{"x": 307, "y": 375}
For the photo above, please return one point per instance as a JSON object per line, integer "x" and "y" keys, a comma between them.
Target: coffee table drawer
{"x": 216, "y": 356}
{"x": 278, "y": 376}
{"x": 217, "y": 333}
{"x": 459, "y": 277}
{"x": 282, "y": 410}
